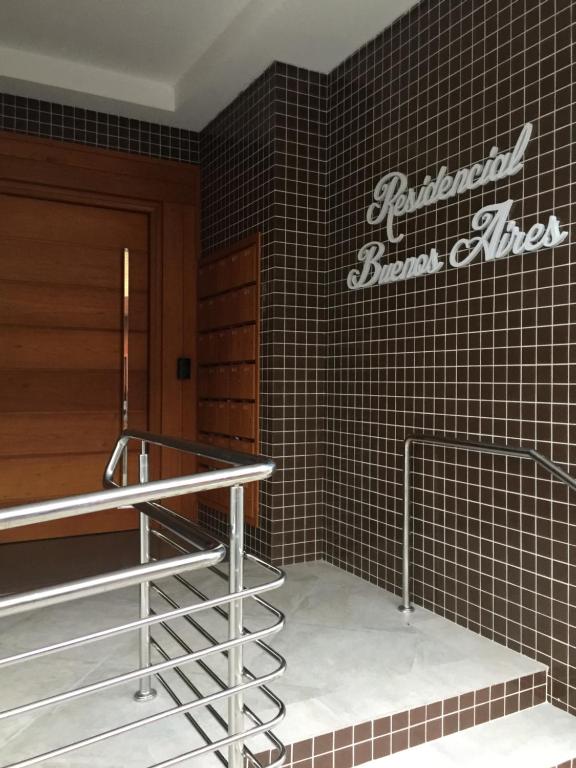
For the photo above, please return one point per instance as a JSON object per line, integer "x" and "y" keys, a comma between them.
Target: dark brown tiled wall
{"x": 263, "y": 169}
{"x": 485, "y": 352}
{"x": 98, "y": 129}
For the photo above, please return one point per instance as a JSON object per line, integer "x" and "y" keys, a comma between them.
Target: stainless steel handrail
{"x": 96, "y": 585}
{"x": 450, "y": 442}
{"x": 206, "y": 552}
{"x": 187, "y": 446}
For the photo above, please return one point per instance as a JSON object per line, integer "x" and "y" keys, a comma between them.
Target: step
{"x": 539, "y": 737}
{"x": 364, "y": 680}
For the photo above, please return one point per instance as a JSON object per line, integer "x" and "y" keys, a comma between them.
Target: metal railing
{"x": 480, "y": 447}
{"x": 193, "y": 549}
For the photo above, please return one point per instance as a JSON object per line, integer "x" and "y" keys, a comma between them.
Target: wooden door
{"x": 66, "y": 214}
{"x": 61, "y": 290}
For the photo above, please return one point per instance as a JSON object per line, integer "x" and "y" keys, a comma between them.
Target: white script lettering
{"x": 393, "y": 198}
{"x": 373, "y": 272}
{"x": 501, "y": 237}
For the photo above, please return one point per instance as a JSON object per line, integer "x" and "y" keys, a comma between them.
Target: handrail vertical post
{"x": 235, "y": 623}
{"x": 145, "y": 691}
{"x": 406, "y": 606}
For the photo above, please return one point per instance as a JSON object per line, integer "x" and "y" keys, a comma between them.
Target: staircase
{"x": 405, "y": 691}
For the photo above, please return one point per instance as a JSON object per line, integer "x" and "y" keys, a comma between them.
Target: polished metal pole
{"x": 125, "y": 357}
{"x": 235, "y": 622}
{"x": 145, "y": 692}
{"x": 406, "y": 606}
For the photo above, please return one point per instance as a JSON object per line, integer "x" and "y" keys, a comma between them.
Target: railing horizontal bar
{"x": 219, "y": 695}
{"x": 138, "y": 673}
{"x": 271, "y": 585}
{"x": 202, "y": 664}
{"x": 260, "y": 643}
{"x": 222, "y": 722}
{"x": 191, "y": 719}
{"x": 178, "y": 525}
{"x": 278, "y": 572}
{"x": 104, "y": 634}
{"x": 211, "y": 639}
{"x": 215, "y": 452}
{"x": 178, "y": 701}
{"x": 108, "y": 582}
{"x": 217, "y": 679}
{"x": 249, "y": 712}
{"x": 129, "y": 495}
{"x": 225, "y": 742}
{"x": 222, "y": 613}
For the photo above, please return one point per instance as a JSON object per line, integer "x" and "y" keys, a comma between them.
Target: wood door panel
{"x": 99, "y": 522}
{"x": 35, "y": 434}
{"x": 36, "y": 261}
{"x": 28, "y": 218}
{"x": 68, "y": 306}
{"x": 49, "y": 391}
{"x": 49, "y": 477}
{"x": 48, "y": 348}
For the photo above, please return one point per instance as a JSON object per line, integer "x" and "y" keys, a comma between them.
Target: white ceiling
{"x": 173, "y": 61}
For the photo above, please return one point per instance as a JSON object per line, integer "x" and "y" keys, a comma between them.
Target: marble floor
{"x": 351, "y": 657}
{"x": 539, "y": 737}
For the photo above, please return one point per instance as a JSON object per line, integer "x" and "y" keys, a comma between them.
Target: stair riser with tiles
{"x": 360, "y": 743}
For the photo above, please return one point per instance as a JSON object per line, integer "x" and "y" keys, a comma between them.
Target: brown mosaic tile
{"x": 323, "y": 744}
{"x": 381, "y": 747}
{"x": 324, "y": 761}
{"x": 382, "y": 726}
{"x": 433, "y": 729}
{"x": 362, "y": 752}
{"x": 400, "y": 740}
{"x": 302, "y": 750}
{"x": 451, "y": 724}
{"x": 466, "y": 719}
{"x": 400, "y": 720}
{"x": 482, "y": 696}
{"x": 417, "y": 734}
{"x": 344, "y": 758}
{"x": 362, "y": 732}
{"x": 343, "y": 737}
{"x": 417, "y": 715}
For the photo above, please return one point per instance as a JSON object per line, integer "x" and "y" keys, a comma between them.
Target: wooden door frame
{"x": 169, "y": 192}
